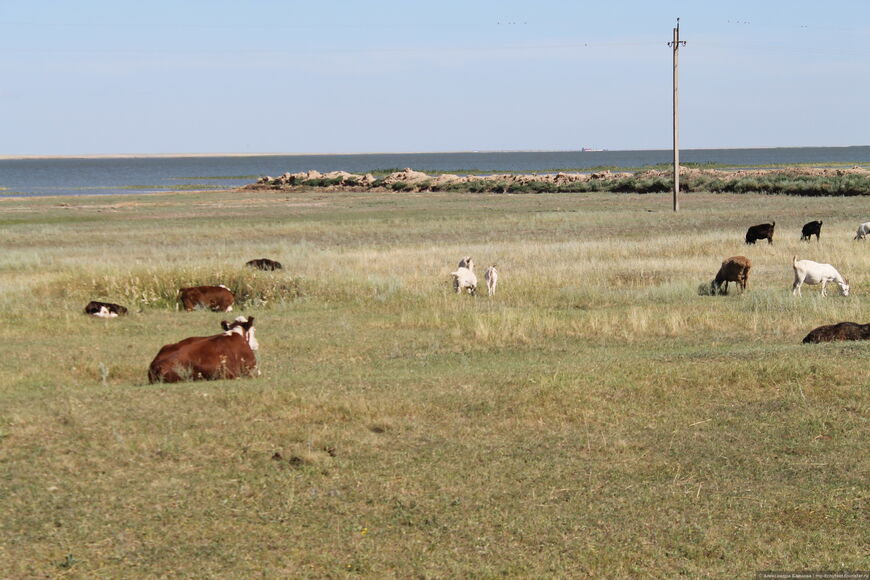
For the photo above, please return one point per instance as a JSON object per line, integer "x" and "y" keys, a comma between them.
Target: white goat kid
{"x": 809, "y": 272}
{"x": 491, "y": 277}
{"x": 863, "y": 230}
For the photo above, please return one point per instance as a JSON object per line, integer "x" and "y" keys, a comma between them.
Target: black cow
{"x": 264, "y": 264}
{"x": 760, "y": 232}
{"x": 810, "y": 229}
{"x": 840, "y": 331}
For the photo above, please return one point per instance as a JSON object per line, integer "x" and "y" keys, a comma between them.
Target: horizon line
{"x": 10, "y": 157}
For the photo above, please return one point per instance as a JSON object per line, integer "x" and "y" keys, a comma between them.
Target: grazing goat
{"x": 760, "y": 232}
{"x": 807, "y": 271}
{"x": 811, "y": 229}
{"x": 464, "y": 279}
{"x": 863, "y": 230}
{"x": 733, "y": 269}
{"x": 491, "y": 277}
{"x": 840, "y": 331}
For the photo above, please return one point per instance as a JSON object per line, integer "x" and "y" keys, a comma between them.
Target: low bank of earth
{"x": 790, "y": 181}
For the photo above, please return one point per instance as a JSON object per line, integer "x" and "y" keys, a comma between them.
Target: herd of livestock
{"x": 736, "y": 269}
{"x": 231, "y": 354}
{"x": 228, "y": 355}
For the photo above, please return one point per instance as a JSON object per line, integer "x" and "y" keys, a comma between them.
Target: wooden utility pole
{"x": 676, "y": 47}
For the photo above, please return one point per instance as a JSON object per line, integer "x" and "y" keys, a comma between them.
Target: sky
{"x": 350, "y": 76}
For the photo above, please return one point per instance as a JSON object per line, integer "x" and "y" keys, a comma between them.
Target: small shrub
{"x": 403, "y": 186}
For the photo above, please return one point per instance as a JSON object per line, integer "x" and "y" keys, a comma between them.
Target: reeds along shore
{"x": 790, "y": 181}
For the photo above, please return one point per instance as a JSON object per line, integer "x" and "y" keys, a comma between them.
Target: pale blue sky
{"x": 329, "y": 76}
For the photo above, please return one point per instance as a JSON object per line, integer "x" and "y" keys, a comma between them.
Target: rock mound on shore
{"x": 645, "y": 181}
{"x": 417, "y": 179}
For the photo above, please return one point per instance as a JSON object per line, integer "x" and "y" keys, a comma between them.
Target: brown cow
{"x": 217, "y": 298}
{"x": 840, "y": 331}
{"x": 228, "y": 355}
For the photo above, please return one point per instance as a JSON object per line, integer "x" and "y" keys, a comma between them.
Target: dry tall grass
{"x": 597, "y": 417}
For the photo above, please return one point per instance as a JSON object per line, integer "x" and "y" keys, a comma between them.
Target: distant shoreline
{"x": 155, "y": 155}
{"x": 470, "y": 152}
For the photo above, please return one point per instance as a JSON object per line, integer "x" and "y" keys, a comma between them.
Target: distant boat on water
{"x": 590, "y": 149}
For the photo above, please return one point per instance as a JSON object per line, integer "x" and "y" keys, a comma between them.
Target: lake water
{"x": 88, "y": 176}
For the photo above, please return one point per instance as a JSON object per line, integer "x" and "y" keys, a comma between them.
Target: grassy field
{"x": 598, "y": 417}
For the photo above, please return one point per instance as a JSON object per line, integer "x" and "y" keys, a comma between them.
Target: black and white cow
{"x": 104, "y": 309}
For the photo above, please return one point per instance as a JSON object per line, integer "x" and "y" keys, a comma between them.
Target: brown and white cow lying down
{"x": 217, "y": 298}
{"x": 840, "y": 331}
{"x": 104, "y": 309}
{"x": 228, "y": 355}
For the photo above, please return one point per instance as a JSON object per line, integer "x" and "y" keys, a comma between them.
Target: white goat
{"x": 815, "y": 273}
{"x": 863, "y": 230}
{"x": 491, "y": 277}
{"x": 466, "y": 262}
{"x": 464, "y": 279}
